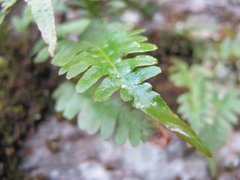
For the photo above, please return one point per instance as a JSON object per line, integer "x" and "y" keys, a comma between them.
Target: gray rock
{"x": 76, "y": 156}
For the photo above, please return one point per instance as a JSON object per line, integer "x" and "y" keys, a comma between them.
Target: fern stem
{"x": 128, "y": 86}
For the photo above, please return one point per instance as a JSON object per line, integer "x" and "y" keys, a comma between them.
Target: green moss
{"x": 22, "y": 96}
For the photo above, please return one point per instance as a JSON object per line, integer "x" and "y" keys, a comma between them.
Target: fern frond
{"x": 40, "y": 50}
{"x": 102, "y": 54}
{"x": 42, "y": 11}
{"x": 208, "y": 112}
{"x": 196, "y": 101}
{"x": 226, "y": 49}
{"x": 111, "y": 118}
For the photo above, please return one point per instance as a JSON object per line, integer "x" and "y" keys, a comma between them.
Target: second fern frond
{"x": 210, "y": 111}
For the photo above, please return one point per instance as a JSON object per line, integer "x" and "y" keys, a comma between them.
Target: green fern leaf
{"x": 73, "y": 27}
{"x": 42, "y": 11}
{"x": 76, "y": 26}
{"x": 110, "y": 118}
{"x": 101, "y": 54}
{"x": 210, "y": 114}
{"x": 226, "y": 49}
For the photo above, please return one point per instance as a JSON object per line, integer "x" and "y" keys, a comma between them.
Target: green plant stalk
{"x": 165, "y": 116}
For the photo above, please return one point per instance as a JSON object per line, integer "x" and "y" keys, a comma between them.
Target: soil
{"x": 24, "y": 98}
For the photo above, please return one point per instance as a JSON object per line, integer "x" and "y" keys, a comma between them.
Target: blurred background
{"x": 198, "y": 51}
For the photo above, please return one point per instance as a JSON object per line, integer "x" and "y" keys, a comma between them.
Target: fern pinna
{"x": 209, "y": 112}
{"x": 102, "y": 53}
{"x": 111, "y": 118}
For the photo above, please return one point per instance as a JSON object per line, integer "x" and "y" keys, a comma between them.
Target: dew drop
{"x": 154, "y": 104}
{"x": 124, "y": 86}
{"x": 177, "y": 130}
{"x": 118, "y": 60}
{"x": 139, "y": 106}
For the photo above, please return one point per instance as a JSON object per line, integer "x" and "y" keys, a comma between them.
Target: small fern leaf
{"x": 42, "y": 11}
{"x": 110, "y": 118}
{"x": 210, "y": 114}
{"x": 101, "y": 54}
{"x": 72, "y": 27}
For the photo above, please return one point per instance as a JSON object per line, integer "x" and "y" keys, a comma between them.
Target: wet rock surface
{"x": 59, "y": 151}
{"x": 62, "y": 151}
